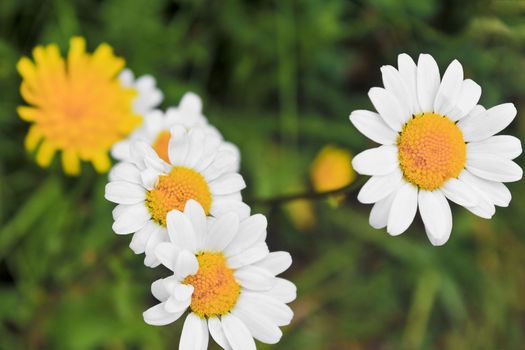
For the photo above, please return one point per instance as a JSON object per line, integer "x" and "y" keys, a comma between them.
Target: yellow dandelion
{"x": 332, "y": 169}
{"x": 77, "y": 104}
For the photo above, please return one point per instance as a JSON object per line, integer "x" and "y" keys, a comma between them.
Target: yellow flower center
{"x": 161, "y": 145}
{"x": 78, "y": 105}
{"x": 431, "y": 150}
{"x": 174, "y": 190}
{"x": 215, "y": 289}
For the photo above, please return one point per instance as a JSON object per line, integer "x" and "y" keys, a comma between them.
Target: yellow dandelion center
{"x": 161, "y": 145}
{"x": 431, "y": 150}
{"x": 215, "y": 289}
{"x": 174, "y": 190}
{"x": 78, "y": 105}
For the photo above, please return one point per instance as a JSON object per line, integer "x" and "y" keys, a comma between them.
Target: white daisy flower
{"x": 147, "y": 188}
{"x": 436, "y": 144}
{"x": 224, "y": 274}
{"x": 155, "y": 130}
{"x": 148, "y": 95}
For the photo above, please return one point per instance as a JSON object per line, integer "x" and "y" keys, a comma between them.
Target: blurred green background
{"x": 278, "y": 78}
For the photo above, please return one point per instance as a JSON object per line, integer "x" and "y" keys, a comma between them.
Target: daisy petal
{"x": 158, "y": 316}
{"x": 127, "y": 172}
{"x": 156, "y": 237}
{"x": 273, "y": 309}
{"x": 157, "y": 164}
{"x": 460, "y": 193}
{"x": 186, "y": 265}
{"x": 379, "y": 214}
{"x": 150, "y": 260}
{"x": 477, "y": 110}
{"x": 221, "y": 206}
{"x": 376, "y": 161}
{"x": 175, "y": 305}
{"x": 254, "y": 278}
{"x": 250, "y": 231}
{"x": 449, "y": 89}
{"x": 283, "y": 290}
{"x": 485, "y": 209}
{"x": 191, "y": 103}
{"x": 237, "y": 334}
{"x": 119, "y": 209}
{"x": 149, "y": 178}
{"x": 231, "y": 148}
{"x": 504, "y": 146}
{"x": 159, "y": 290}
{"x": 167, "y": 253}
{"x": 131, "y": 218}
{"x": 372, "y": 126}
{"x": 408, "y": 70}
{"x": 195, "y": 334}
{"x": 154, "y": 123}
{"x": 396, "y": 86}
{"x": 378, "y": 187}
{"x": 228, "y": 183}
{"x": 472, "y": 115}
{"x": 221, "y": 232}
{"x": 256, "y": 253}
{"x": 195, "y": 213}
{"x": 427, "y": 82}
{"x": 497, "y": 192}
{"x": 403, "y": 210}
{"x": 195, "y": 150}
{"x": 467, "y": 100}
{"x": 124, "y": 193}
{"x": 494, "y": 168}
{"x": 126, "y": 77}
{"x": 217, "y": 333}
{"x": 183, "y": 292}
{"x": 223, "y": 163}
{"x": 211, "y": 147}
{"x": 436, "y": 216}
{"x": 484, "y": 125}
{"x": 140, "y": 151}
{"x": 276, "y": 262}
{"x": 145, "y": 82}
{"x": 142, "y": 236}
{"x": 180, "y": 231}
{"x": 388, "y": 107}
{"x": 179, "y": 145}
{"x": 259, "y": 326}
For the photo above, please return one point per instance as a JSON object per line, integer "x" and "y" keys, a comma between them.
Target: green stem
{"x": 312, "y": 195}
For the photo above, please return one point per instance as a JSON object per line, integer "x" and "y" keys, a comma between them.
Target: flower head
{"x": 156, "y": 128}
{"x": 437, "y": 144}
{"x": 147, "y": 188}
{"x": 332, "y": 169}
{"x": 78, "y": 106}
{"x": 224, "y": 274}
